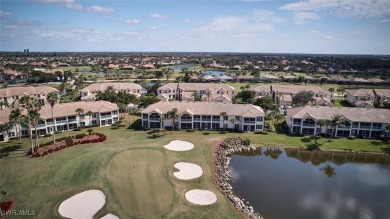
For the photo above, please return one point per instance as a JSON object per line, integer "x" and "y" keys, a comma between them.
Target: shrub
{"x": 81, "y": 135}
{"x": 58, "y": 132}
{"x": 90, "y": 131}
{"x": 265, "y": 133}
{"x": 351, "y": 137}
{"x": 76, "y": 129}
{"x": 190, "y": 130}
{"x": 44, "y": 153}
{"x": 258, "y": 132}
{"x": 37, "y": 154}
{"x": 50, "y": 150}
{"x": 47, "y": 135}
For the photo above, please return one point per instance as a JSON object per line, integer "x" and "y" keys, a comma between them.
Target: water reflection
{"x": 295, "y": 183}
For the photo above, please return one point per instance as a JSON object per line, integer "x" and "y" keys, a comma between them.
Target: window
{"x": 196, "y": 125}
{"x": 237, "y": 118}
{"x": 216, "y": 118}
{"x": 225, "y": 118}
{"x": 296, "y": 129}
{"x": 103, "y": 122}
{"x": 81, "y": 116}
{"x": 82, "y": 124}
{"x": 249, "y": 120}
{"x": 115, "y": 112}
{"x": 154, "y": 116}
{"x": 259, "y": 127}
{"x": 145, "y": 116}
{"x": 109, "y": 121}
{"x": 115, "y": 119}
{"x": 309, "y": 122}
{"x": 259, "y": 119}
{"x": 206, "y": 118}
{"x": 186, "y": 117}
{"x": 94, "y": 122}
{"x": 329, "y": 131}
{"x": 376, "y": 125}
{"x": 94, "y": 115}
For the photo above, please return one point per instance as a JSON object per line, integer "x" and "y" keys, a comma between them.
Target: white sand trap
{"x": 187, "y": 171}
{"x": 83, "y": 205}
{"x": 179, "y": 145}
{"x": 109, "y": 216}
{"x": 201, "y": 197}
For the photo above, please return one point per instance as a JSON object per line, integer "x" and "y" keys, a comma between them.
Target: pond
{"x": 180, "y": 67}
{"x": 296, "y": 183}
{"x": 215, "y": 73}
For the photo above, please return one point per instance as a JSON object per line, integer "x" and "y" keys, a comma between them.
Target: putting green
{"x": 139, "y": 183}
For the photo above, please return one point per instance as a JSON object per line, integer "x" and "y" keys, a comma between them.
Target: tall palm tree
{"x": 173, "y": 115}
{"x": 223, "y": 114}
{"x": 14, "y": 117}
{"x": 53, "y": 98}
{"x": 162, "y": 119}
{"x": 337, "y": 120}
{"x": 233, "y": 121}
{"x": 331, "y": 90}
{"x": 195, "y": 96}
{"x": 6, "y": 127}
{"x": 27, "y": 103}
{"x": 278, "y": 116}
{"x": 133, "y": 111}
{"x": 89, "y": 114}
{"x": 321, "y": 123}
{"x": 79, "y": 111}
{"x": 208, "y": 95}
{"x": 339, "y": 90}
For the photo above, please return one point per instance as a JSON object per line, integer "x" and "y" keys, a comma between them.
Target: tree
{"x": 303, "y": 98}
{"x": 196, "y": 96}
{"x": 122, "y": 108}
{"x": 266, "y": 103}
{"x": 173, "y": 115}
{"x": 246, "y": 96}
{"x": 233, "y": 121}
{"x": 278, "y": 116}
{"x": 321, "y": 123}
{"x": 53, "y": 98}
{"x": 339, "y": 90}
{"x": 147, "y": 100}
{"x": 208, "y": 95}
{"x": 89, "y": 114}
{"x": 223, "y": 114}
{"x": 27, "y": 103}
{"x": 133, "y": 111}
{"x": 6, "y": 127}
{"x": 336, "y": 120}
{"x": 328, "y": 170}
{"x": 331, "y": 90}
{"x": 159, "y": 74}
{"x": 15, "y": 117}
{"x": 79, "y": 111}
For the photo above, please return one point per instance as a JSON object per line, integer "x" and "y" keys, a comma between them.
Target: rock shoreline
{"x": 222, "y": 158}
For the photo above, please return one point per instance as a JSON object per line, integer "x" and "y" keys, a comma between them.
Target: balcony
{"x": 309, "y": 124}
{"x": 377, "y": 127}
{"x": 71, "y": 120}
{"x": 365, "y": 127}
{"x": 154, "y": 119}
{"x": 297, "y": 123}
{"x": 61, "y": 121}
{"x": 186, "y": 120}
{"x": 196, "y": 119}
{"x": 250, "y": 122}
{"x": 355, "y": 126}
{"x": 105, "y": 116}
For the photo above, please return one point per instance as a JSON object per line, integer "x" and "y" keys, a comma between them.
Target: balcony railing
{"x": 308, "y": 124}
{"x": 61, "y": 121}
{"x": 154, "y": 119}
{"x": 71, "y": 120}
{"x": 250, "y": 122}
{"x": 377, "y": 127}
{"x": 186, "y": 120}
{"x": 196, "y": 119}
{"x": 106, "y": 116}
{"x": 297, "y": 123}
{"x": 365, "y": 127}
{"x": 355, "y": 126}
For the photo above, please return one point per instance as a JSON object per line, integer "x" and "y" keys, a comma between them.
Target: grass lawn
{"x": 133, "y": 170}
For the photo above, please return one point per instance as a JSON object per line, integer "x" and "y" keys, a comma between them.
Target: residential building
{"x": 283, "y": 94}
{"x": 65, "y": 118}
{"x": 208, "y": 92}
{"x": 360, "y": 122}
{"x": 200, "y": 115}
{"x": 382, "y": 96}
{"x": 88, "y": 93}
{"x": 361, "y": 98}
{"x": 10, "y": 96}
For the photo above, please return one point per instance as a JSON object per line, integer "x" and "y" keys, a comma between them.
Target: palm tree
{"x": 336, "y": 120}
{"x": 278, "y": 116}
{"x": 89, "y": 114}
{"x": 79, "y": 111}
{"x": 328, "y": 170}
{"x": 162, "y": 119}
{"x": 331, "y": 90}
{"x": 14, "y": 117}
{"x": 27, "y": 103}
{"x": 208, "y": 95}
{"x": 195, "y": 96}
{"x": 233, "y": 121}
{"x": 6, "y": 127}
{"x": 53, "y": 98}
{"x": 35, "y": 117}
{"x": 339, "y": 90}
{"x": 173, "y": 115}
{"x": 133, "y": 111}
{"x": 223, "y": 114}
{"x": 321, "y": 123}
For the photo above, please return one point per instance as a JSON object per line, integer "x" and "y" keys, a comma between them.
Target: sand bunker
{"x": 187, "y": 171}
{"x": 83, "y": 205}
{"x": 109, "y": 216}
{"x": 178, "y": 145}
{"x": 201, "y": 197}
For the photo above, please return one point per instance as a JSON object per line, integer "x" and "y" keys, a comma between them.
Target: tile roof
{"x": 297, "y": 88}
{"x": 383, "y": 92}
{"x": 261, "y": 88}
{"x": 117, "y": 86}
{"x": 196, "y": 86}
{"x": 18, "y": 91}
{"x": 67, "y": 109}
{"x": 361, "y": 92}
{"x": 353, "y": 114}
{"x": 204, "y": 108}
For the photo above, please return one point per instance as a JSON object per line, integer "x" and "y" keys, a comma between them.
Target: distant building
{"x": 10, "y": 96}
{"x": 26, "y": 50}
{"x": 88, "y": 93}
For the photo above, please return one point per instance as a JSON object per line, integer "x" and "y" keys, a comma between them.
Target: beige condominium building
{"x": 65, "y": 118}
{"x": 359, "y": 122}
{"x": 88, "y": 93}
{"x": 208, "y": 92}
{"x": 10, "y": 96}
{"x": 204, "y": 115}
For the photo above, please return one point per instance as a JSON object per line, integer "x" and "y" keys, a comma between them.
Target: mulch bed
{"x": 69, "y": 142}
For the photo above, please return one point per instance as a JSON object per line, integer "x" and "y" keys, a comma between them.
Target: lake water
{"x": 214, "y": 73}
{"x": 295, "y": 183}
{"x": 180, "y": 67}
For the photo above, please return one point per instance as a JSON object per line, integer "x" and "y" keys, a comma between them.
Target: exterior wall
{"x": 64, "y": 123}
{"x": 206, "y": 122}
{"x": 357, "y": 129}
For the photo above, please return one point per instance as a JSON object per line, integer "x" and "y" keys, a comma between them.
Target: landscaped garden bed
{"x": 65, "y": 142}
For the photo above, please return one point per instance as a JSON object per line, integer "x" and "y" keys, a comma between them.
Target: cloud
{"x": 314, "y": 32}
{"x": 152, "y": 28}
{"x": 266, "y": 15}
{"x": 157, "y": 16}
{"x": 4, "y": 13}
{"x": 100, "y": 9}
{"x": 319, "y": 34}
{"x": 71, "y": 4}
{"x": 361, "y": 8}
{"x": 26, "y": 23}
{"x": 186, "y": 21}
{"x": 132, "y": 21}
{"x": 385, "y": 21}
{"x": 304, "y": 17}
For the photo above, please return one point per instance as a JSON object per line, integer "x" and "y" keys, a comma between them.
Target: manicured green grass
{"x": 41, "y": 184}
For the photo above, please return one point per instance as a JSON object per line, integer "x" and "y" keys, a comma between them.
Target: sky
{"x": 253, "y": 26}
